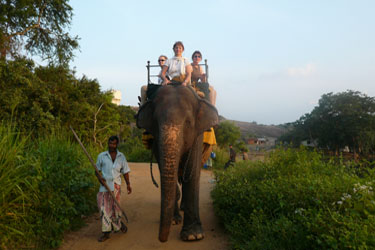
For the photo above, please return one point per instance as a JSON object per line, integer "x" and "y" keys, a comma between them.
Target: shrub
{"x": 67, "y": 188}
{"x": 134, "y": 149}
{"x": 296, "y": 200}
{"x": 46, "y": 187}
{"x": 18, "y": 191}
{"x": 222, "y": 156}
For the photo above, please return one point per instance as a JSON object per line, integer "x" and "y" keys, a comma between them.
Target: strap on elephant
{"x": 184, "y": 179}
{"x": 152, "y": 176}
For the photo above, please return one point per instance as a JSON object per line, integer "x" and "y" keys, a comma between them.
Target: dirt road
{"x": 143, "y": 210}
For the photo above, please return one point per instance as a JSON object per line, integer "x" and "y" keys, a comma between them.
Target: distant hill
{"x": 246, "y": 128}
{"x": 258, "y": 130}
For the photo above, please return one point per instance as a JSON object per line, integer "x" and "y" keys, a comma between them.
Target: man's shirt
{"x": 111, "y": 171}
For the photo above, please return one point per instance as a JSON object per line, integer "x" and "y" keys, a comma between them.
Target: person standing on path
{"x": 232, "y": 157}
{"x": 112, "y": 164}
{"x": 245, "y": 157}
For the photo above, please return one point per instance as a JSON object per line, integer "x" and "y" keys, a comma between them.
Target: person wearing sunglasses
{"x": 177, "y": 68}
{"x": 198, "y": 77}
{"x": 161, "y": 61}
{"x": 199, "y": 83}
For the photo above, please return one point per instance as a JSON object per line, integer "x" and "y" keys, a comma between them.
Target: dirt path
{"x": 143, "y": 210}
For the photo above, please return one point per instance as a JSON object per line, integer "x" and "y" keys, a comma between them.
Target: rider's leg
{"x": 143, "y": 94}
{"x": 212, "y": 95}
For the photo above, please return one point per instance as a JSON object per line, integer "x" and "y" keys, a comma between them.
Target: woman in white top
{"x": 177, "y": 68}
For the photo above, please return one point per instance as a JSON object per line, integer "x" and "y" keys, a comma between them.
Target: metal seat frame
{"x": 149, "y": 75}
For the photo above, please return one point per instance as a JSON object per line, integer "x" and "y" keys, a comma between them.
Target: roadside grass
{"x": 296, "y": 199}
{"x": 18, "y": 190}
{"x": 47, "y": 187}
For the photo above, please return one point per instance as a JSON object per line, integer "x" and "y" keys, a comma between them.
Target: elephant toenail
{"x": 191, "y": 237}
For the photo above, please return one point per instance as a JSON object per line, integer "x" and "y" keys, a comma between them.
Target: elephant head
{"x": 177, "y": 118}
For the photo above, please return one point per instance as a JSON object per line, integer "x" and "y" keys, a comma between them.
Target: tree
{"x": 127, "y": 119}
{"x": 40, "y": 100}
{"x": 241, "y": 146}
{"x": 38, "y": 28}
{"x": 340, "y": 120}
{"x": 227, "y": 133}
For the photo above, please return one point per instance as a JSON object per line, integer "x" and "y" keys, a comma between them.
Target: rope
{"x": 152, "y": 176}
{"x": 185, "y": 167}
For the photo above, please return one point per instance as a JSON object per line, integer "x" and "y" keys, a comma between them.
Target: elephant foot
{"x": 177, "y": 219}
{"x": 195, "y": 232}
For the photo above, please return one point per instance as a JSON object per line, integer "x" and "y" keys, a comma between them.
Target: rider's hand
{"x": 165, "y": 82}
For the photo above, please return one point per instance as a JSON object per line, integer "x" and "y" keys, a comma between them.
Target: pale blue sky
{"x": 270, "y": 61}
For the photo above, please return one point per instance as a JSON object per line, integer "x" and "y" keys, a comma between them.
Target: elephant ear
{"x": 207, "y": 116}
{"x": 144, "y": 116}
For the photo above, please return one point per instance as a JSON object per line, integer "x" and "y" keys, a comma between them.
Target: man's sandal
{"x": 104, "y": 237}
{"x": 123, "y": 228}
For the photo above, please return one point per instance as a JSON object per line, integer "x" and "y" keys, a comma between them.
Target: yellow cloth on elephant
{"x": 209, "y": 137}
{"x": 147, "y": 140}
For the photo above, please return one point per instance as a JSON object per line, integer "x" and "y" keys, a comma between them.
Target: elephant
{"x": 177, "y": 117}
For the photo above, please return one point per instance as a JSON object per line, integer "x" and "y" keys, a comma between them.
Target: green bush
{"x": 66, "y": 190}
{"x": 18, "y": 190}
{"x": 134, "y": 149}
{"x": 46, "y": 188}
{"x": 222, "y": 156}
{"x": 296, "y": 200}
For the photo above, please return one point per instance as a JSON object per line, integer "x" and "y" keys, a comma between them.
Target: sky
{"x": 270, "y": 61}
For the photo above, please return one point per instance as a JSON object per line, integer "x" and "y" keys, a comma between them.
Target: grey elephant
{"x": 177, "y": 118}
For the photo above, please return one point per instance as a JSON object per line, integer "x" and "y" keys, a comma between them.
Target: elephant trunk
{"x": 169, "y": 159}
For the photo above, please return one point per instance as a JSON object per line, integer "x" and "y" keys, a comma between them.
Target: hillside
{"x": 246, "y": 128}
{"x": 259, "y": 130}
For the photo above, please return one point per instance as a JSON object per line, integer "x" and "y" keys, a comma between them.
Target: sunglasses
{"x": 161, "y": 60}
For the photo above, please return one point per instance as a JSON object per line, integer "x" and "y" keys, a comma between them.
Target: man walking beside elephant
{"x": 112, "y": 164}
{"x": 232, "y": 157}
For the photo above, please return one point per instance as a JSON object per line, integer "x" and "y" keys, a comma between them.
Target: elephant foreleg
{"x": 192, "y": 226}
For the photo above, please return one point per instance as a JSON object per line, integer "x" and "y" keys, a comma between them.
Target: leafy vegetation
{"x": 40, "y": 100}
{"x": 46, "y": 187}
{"x": 227, "y": 133}
{"x": 37, "y": 27}
{"x": 18, "y": 190}
{"x": 134, "y": 149}
{"x": 340, "y": 120}
{"x": 297, "y": 200}
{"x": 46, "y": 182}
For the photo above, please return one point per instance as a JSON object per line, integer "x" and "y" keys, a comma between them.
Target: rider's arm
{"x": 188, "y": 70}
{"x": 163, "y": 75}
